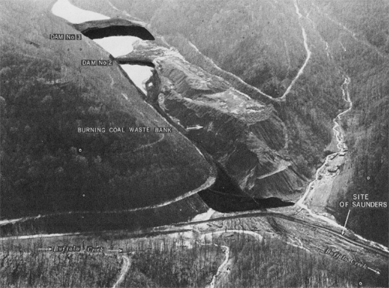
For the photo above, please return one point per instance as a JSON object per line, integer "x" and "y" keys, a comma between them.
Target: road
{"x": 359, "y": 246}
{"x": 240, "y": 80}
{"x": 221, "y": 267}
{"x": 67, "y": 11}
{"x": 351, "y": 33}
{"x": 308, "y": 51}
{"x": 337, "y": 130}
{"x": 281, "y": 167}
{"x": 211, "y": 180}
{"x": 161, "y": 137}
{"x": 174, "y": 228}
{"x": 126, "y": 266}
{"x": 382, "y": 251}
{"x": 208, "y": 183}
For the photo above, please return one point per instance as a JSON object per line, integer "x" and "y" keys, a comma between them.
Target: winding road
{"x": 338, "y": 133}
{"x": 174, "y": 228}
{"x": 351, "y": 33}
{"x": 126, "y": 266}
{"x": 368, "y": 245}
{"x": 340, "y": 145}
{"x": 221, "y": 267}
{"x": 240, "y": 80}
{"x": 308, "y": 51}
{"x": 246, "y": 85}
{"x": 161, "y": 137}
{"x": 211, "y": 179}
{"x": 339, "y": 238}
{"x": 208, "y": 183}
{"x": 64, "y": 9}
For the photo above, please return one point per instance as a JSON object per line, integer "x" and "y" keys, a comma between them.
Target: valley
{"x": 232, "y": 176}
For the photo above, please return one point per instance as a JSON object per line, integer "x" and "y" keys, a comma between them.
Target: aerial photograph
{"x": 194, "y": 143}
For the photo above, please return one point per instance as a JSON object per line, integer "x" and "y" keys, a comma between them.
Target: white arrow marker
{"x": 120, "y": 250}
{"x": 197, "y": 127}
{"x": 375, "y": 271}
{"x": 45, "y": 249}
{"x": 345, "y": 223}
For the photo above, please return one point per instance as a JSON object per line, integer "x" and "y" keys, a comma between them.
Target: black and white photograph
{"x": 194, "y": 143}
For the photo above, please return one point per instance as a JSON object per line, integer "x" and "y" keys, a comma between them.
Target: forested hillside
{"x": 48, "y": 165}
{"x": 262, "y": 43}
{"x": 292, "y": 56}
{"x": 357, "y": 32}
{"x": 308, "y": 110}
